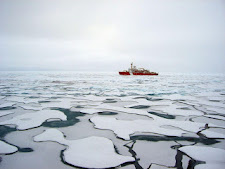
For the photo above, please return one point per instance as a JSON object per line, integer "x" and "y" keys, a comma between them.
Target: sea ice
{"x": 215, "y": 117}
{"x": 4, "y": 113}
{"x": 157, "y": 166}
{"x": 214, "y": 109}
{"x": 173, "y": 109}
{"x": 148, "y": 103}
{"x": 15, "y": 99}
{"x": 90, "y": 152}
{"x": 173, "y": 96}
{"x": 178, "y": 97}
{"x": 210, "y": 166}
{"x": 31, "y": 120}
{"x": 90, "y": 111}
{"x": 30, "y": 106}
{"x": 8, "y": 104}
{"x": 206, "y": 102}
{"x": 153, "y": 152}
{"x": 125, "y": 110}
{"x": 184, "y": 124}
{"x": 211, "y": 121}
{"x": 214, "y": 157}
{"x": 211, "y": 134}
{"x": 2, "y": 97}
{"x": 123, "y": 128}
{"x": 19, "y": 99}
{"x": 95, "y": 98}
{"x": 7, "y": 148}
{"x": 62, "y": 103}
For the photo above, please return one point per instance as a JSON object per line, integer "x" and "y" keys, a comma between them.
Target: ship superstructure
{"x": 133, "y": 70}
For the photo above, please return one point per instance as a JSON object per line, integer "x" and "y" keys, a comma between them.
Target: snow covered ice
{"x": 103, "y": 120}
{"x": 31, "y": 120}
{"x": 91, "y": 152}
{"x": 213, "y": 157}
{"x": 7, "y": 148}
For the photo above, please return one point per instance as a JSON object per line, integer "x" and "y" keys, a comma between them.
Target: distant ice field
{"x": 105, "y": 120}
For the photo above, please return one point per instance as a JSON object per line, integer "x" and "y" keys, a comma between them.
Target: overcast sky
{"x": 106, "y": 35}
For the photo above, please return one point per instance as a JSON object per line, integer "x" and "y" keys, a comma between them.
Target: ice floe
{"x": 173, "y": 109}
{"x": 7, "y": 148}
{"x": 210, "y": 166}
{"x": 95, "y": 98}
{"x": 211, "y": 134}
{"x": 90, "y": 152}
{"x": 205, "y": 119}
{"x": 178, "y": 97}
{"x": 158, "y": 166}
{"x": 214, "y": 109}
{"x": 124, "y": 129}
{"x": 154, "y": 153}
{"x": 148, "y": 103}
{"x": 2, "y": 97}
{"x": 4, "y": 113}
{"x": 90, "y": 111}
{"x": 139, "y": 112}
{"x": 8, "y": 104}
{"x": 31, "y": 120}
{"x": 62, "y": 103}
{"x": 15, "y": 99}
{"x": 214, "y": 157}
{"x": 215, "y": 117}
{"x": 31, "y": 107}
{"x": 121, "y": 109}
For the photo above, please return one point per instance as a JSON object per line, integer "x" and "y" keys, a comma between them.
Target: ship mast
{"x": 131, "y": 68}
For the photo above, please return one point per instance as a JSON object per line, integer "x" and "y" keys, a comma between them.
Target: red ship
{"x": 137, "y": 71}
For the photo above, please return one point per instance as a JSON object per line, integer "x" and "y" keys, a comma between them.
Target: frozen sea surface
{"x": 104, "y": 120}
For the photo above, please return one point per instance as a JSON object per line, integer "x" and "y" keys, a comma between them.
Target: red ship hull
{"x": 128, "y": 73}
{"x": 124, "y": 73}
{"x": 133, "y": 70}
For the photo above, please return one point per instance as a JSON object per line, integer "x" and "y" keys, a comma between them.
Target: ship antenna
{"x": 131, "y": 65}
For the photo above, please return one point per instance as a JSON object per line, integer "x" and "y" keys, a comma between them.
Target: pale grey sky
{"x": 106, "y": 35}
